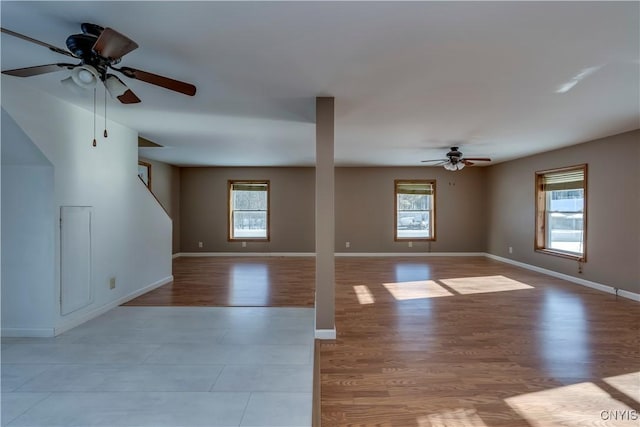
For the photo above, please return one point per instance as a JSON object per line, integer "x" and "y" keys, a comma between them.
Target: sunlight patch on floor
{"x": 484, "y": 284}
{"x": 454, "y": 418}
{"x": 364, "y": 295}
{"x": 572, "y": 406}
{"x": 628, "y": 384}
{"x": 402, "y": 291}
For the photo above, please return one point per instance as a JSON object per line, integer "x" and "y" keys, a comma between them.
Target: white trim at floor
{"x": 50, "y": 332}
{"x": 240, "y": 254}
{"x": 403, "y": 254}
{"x": 27, "y": 332}
{"x": 593, "y": 285}
{"x": 113, "y": 304}
{"x": 325, "y": 334}
{"x": 312, "y": 254}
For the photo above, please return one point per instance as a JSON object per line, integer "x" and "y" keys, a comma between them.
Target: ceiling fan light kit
{"x": 114, "y": 86}
{"x": 450, "y": 166}
{"x": 69, "y": 84}
{"x": 85, "y": 76}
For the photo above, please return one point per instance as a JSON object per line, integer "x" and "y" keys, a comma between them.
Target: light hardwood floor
{"x": 445, "y": 341}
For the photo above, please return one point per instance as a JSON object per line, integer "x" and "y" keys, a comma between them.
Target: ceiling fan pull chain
{"x": 94, "y": 117}
{"x": 105, "y": 112}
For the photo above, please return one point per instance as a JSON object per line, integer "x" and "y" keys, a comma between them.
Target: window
{"x": 415, "y": 210}
{"x": 561, "y": 196}
{"x": 248, "y": 210}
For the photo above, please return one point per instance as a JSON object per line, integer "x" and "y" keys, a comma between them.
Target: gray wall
{"x": 365, "y": 208}
{"x": 477, "y": 209}
{"x": 165, "y": 185}
{"x": 174, "y": 208}
{"x": 203, "y": 206}
{"x": 613, "y": 210}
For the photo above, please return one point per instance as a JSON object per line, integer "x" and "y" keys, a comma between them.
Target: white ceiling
{"x": 409, "y": 79}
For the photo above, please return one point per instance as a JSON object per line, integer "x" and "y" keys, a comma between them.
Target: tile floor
{"x": 165, "y": 366}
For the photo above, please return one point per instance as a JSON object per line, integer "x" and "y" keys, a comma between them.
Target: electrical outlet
{"x": 244, "y": 244}
{"x": 347, "y": 245}
{"x": 200, "y": 244}
{"x": 410, "y": 244}
{"x": 510, "y": 249}
{"x": 112, "y": 283}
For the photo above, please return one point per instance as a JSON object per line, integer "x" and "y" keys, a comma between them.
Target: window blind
{"x": 249, "y": 187}
{"x": 414, "y": 188}
{"x": 567, "y": 180}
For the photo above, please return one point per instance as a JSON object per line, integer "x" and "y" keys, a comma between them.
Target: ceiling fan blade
{"x": 478, "y": 159}
{"x": 38, "y": 42}
{"x": 154, "y": 79}
{"x": 434, "y": 160}
{"x": 129, "y": 98}
{"x": 467, "y": 162}
{"x": 113, "y": 45}
{"x": 37, "y": 70}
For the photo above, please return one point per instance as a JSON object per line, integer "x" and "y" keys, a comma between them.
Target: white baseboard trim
{"x": 113, "y": 304}
{"x": 593, "y": 285}
{"x": 628, "y": 294}
{"x": 312, "y": 254}
{"x": 28, "y": 332}
{"x": 245, "y": 254}
{"x": 325, "y": 334}
{"x": 406, "y": 254}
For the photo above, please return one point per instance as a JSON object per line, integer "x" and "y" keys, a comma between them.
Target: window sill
{"x": 568, "y": 255}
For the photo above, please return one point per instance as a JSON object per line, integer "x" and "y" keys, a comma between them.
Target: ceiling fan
{"x": 97, "y": 51}
{"x": 455, "y": 160}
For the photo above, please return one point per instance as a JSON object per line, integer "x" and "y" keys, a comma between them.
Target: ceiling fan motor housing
{"x": 81, "y": 45}
{"x": 92, "y": 29}
{"x": 454, "y": 155}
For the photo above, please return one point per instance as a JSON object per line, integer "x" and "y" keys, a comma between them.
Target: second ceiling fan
{"x": 455, "y": 160}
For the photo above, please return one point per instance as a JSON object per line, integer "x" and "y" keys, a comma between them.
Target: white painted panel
{"x": 75, "y": 258}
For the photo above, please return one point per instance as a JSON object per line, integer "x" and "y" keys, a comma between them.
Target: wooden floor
{"x": 473, "y": 342}
{"x": 237, "y": 282}
{"x": 445, "y": 341}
